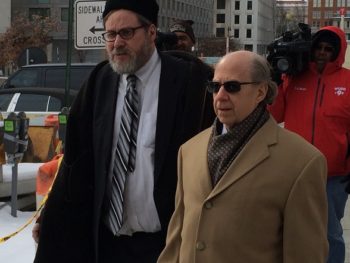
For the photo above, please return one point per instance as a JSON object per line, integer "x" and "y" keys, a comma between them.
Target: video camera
{"x": 166, "y": 41}
{"x": 290, "y": 53}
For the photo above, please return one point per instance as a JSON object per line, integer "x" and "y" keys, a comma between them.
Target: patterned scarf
{"x": 224, "y": 148}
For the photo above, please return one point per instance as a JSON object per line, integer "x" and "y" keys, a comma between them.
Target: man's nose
{"x": 119, "y": 41}
{"x": 222, "y": 93}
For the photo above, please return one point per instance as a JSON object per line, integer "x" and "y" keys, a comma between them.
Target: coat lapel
{"x": 200, "y": 164}
{"x": 169, "y": 94}
{"x": 103, "y": 120}
{"x": 255, "y": 152}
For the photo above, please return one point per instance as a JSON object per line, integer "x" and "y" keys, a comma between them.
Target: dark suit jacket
{"x": 70, "y": 222}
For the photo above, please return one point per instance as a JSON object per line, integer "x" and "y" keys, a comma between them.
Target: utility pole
{"x": 228, "y": 40}
{"x": 229, "y": 3}
{"x": 69, "y": 51}
{"x": 342, "y": 15}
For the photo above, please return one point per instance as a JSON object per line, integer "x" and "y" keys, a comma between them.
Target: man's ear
{"x": 262, "y": 91}
{"x": 152, "y": 30}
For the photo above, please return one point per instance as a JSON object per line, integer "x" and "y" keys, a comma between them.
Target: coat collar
{"x": 255, "y": 152}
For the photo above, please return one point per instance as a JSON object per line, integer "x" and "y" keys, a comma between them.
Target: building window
{"x": 329, "y": 3}
{"x": 249, "y": 19}
{"x": 236, "y": 19}
{"x": 316, "y": 23}
{"x": 220, "y": 18}
{"x": 236, "y": 33}
{"x": 220, "y": 4}
{"x": 340, "y": 3}
{"x": 316, "y": 14}
{"x": 43, "y": 1}
{"x": 237, "y": 5}
{"x": 328, "y": 14}
{"x": 249, "y": 33}
{"x": 220, "y": 32}
{"x": 249, "y": 5}
{"x": 248, "y": 47}
{"x": 43, "y": 12}
{"x": 317, "y": 3}
{"x": 64, "y": 14}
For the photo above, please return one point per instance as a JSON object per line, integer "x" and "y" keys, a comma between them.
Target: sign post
{"x": 342, "y": 13}
{"x": 89, "y": 24}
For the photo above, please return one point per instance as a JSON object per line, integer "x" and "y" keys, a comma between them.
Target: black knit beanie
{"x": 184, "y": 26}
{"x": 147, "y": 8}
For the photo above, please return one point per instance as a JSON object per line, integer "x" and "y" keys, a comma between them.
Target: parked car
{"x": 50, "y": 75}
{"x": 36, "y": 102}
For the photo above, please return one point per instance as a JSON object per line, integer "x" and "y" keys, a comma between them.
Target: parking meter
{"x": 62, "y": 124}
{"x": 1, "y": 129}
{"x": 23, "y": 132}
{"x": 15, "y": 136}
{"x": 11, "y": 133}
{"x": 15, "y": 144}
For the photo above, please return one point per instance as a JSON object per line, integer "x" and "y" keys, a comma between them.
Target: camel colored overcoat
{"x": 269, "y": 207}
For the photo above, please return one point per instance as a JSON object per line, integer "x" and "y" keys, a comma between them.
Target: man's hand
{"x": 35, "y": 232}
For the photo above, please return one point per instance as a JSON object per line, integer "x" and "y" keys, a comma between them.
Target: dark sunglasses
{"x": 328, "y": 49}
{"x": 231, "y": 86}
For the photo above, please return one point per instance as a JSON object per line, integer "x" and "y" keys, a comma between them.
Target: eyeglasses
{"x": 125, "y": 33}
{"x": 231, "y": 86}
{"x": 328, "y": 49}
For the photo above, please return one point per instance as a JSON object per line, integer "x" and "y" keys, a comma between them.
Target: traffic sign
{"x": 89, "y": 24}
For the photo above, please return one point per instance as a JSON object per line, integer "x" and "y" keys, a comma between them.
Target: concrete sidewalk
{"x": 346, "y": 227}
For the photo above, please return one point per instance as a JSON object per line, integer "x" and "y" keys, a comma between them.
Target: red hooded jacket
{"x": 317, "y": 106}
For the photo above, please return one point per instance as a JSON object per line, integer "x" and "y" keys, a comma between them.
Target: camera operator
{"x": 185, "y": 36}
{"x": 316, "y": 105}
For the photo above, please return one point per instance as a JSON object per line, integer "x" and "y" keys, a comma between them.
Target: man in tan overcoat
{"x": 248, "y": 190}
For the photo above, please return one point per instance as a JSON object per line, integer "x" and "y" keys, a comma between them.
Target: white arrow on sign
{"x": 89, "y": 25}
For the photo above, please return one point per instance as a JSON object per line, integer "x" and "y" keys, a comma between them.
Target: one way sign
{"x": 89, "y": 24}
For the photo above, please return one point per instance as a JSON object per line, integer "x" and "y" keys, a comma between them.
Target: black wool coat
{"x": 70, "y": 221}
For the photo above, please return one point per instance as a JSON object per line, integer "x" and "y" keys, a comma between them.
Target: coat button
{"x": 208, "y": 205}
{"x": 200, "y": 246}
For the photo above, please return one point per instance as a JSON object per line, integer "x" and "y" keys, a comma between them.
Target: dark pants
{"x": 141, "y": 247}
{"x": 337, "y": 198}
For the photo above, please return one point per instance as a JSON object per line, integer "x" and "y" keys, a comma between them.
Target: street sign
{"x": 89, "y": 25}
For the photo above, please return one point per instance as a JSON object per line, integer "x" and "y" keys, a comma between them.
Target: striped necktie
{"x": 125, "y": 155}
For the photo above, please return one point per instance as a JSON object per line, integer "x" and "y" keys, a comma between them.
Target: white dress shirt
{"x": 140, "y": 213}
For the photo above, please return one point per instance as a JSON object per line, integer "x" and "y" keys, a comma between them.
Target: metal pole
{"x": 227, "y": 44}
{"x": 69, "y": 51}
{"x": 14, "y": 190}
{"x": 27, "y": 56}
{"x": 228, "y": 40}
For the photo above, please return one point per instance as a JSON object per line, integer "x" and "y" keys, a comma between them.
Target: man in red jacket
{"x": 316, "y": 105}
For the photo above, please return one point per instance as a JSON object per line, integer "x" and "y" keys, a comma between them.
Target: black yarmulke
{"x": 147, "y": 8}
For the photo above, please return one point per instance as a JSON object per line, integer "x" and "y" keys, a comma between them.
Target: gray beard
{"x": 135, "y": 63}
{"x": 127, "y": 68}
